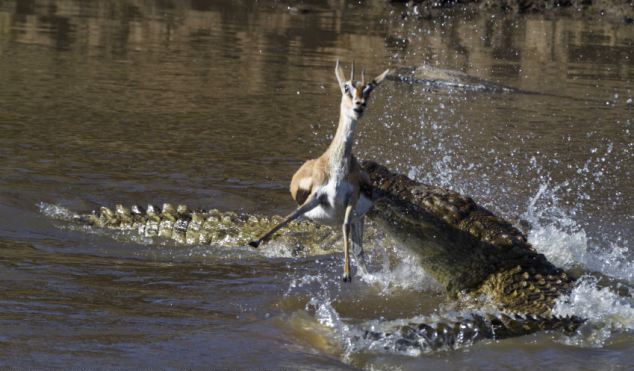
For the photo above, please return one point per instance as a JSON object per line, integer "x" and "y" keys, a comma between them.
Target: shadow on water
{"x": 216, "y": 103}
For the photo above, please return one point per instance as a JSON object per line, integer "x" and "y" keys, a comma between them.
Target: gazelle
{"x": 332, "y": 189}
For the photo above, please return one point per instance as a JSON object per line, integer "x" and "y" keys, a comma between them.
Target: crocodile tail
{"x": 204, "y": 227}
{"x": 466, "y": 331}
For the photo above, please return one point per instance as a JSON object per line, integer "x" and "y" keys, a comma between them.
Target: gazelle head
{"x": 356, "y": 94}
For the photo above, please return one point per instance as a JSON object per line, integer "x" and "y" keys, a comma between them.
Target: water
{"x": 216, "y": 103}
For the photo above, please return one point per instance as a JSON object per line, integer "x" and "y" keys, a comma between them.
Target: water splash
{"x": 398, "y": 270}
{"x": 55, "y": 211}
{"x": 326, "y": 315}
{"x": 606, "y": 311}
{"x": 324, "y": 291}
{"x": 556, "y": 234}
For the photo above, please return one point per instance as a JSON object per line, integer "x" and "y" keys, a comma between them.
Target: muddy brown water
{"x": 216, "y": 103}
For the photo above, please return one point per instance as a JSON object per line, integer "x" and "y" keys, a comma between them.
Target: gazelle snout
{"x": 359, "y": 105}
{"x": 359, "y": 102}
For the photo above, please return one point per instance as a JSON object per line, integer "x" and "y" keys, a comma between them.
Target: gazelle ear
{"x": 340, "y": 77}
{"x": 379, "y": 79}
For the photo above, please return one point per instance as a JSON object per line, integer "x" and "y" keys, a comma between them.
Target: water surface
{"x": 216, "y": 104}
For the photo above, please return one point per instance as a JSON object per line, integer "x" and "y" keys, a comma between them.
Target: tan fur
{"x": 317, "y": 171}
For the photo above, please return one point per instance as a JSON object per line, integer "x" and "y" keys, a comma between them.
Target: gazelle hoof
{"x": 347, "y": 277}
{"x": 254, "y": 244}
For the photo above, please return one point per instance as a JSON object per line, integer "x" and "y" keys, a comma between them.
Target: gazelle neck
{"x": 340, "y": 149}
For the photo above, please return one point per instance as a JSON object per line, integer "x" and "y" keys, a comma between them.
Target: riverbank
{"x": 613, "y": 10}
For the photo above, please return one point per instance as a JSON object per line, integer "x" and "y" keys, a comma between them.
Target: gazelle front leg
{"x": 311, "y": 202}
{"x": 347, "y": 222}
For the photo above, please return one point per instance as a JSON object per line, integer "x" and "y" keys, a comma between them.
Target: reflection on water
{"x": 216, "y": 103}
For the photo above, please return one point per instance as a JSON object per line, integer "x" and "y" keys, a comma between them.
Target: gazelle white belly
{"x": 333, "y": 210}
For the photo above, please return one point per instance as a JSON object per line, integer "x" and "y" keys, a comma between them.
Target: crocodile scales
{"x": 205, "y": 227}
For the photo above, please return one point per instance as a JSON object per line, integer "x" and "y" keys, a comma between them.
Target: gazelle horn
{"x": 352, "y": 72}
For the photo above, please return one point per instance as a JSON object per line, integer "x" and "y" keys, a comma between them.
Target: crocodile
{"x": 473, "y": 254}
{"x": 209, "y": 227}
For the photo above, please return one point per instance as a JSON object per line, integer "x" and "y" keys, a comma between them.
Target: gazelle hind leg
{"x": 347, "y": 223}
{"x": 357, "y": 244}
{"x": 346, "y": 253}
